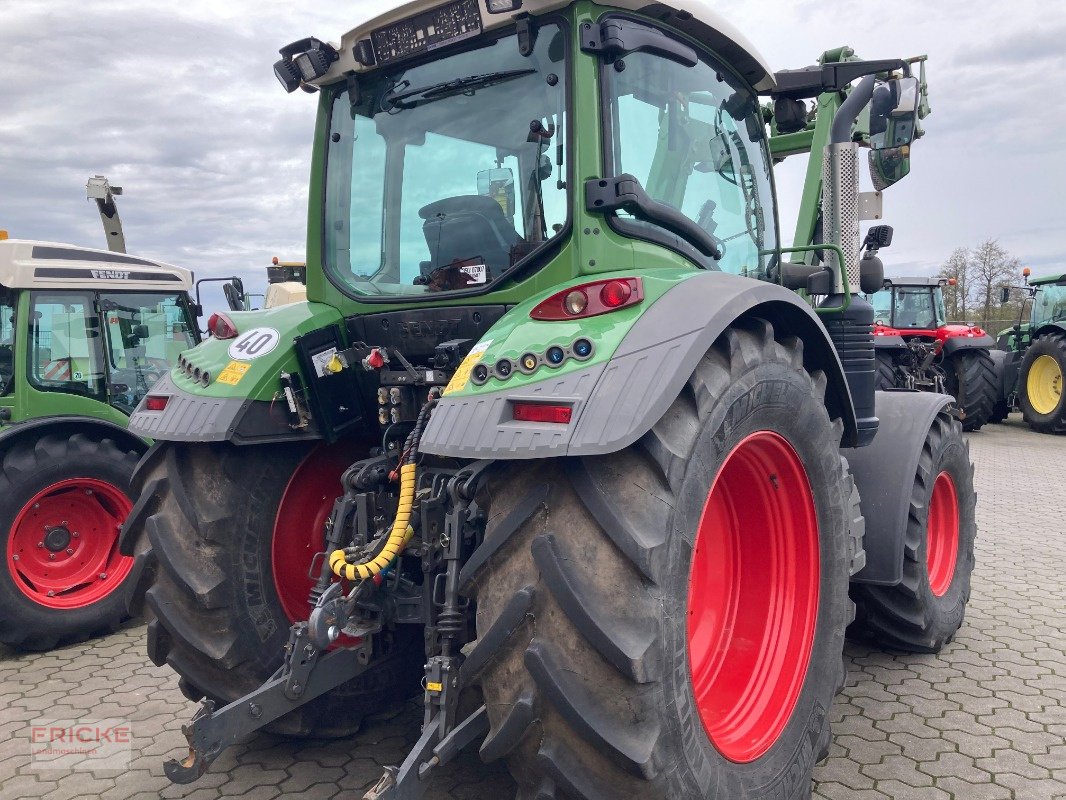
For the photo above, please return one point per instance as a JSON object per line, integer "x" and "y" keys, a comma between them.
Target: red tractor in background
{"x": 918, "y": 349}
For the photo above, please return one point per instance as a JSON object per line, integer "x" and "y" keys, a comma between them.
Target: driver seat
{"x": 467, "y": 227}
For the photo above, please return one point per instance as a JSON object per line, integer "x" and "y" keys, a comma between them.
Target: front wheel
{"x": 62, "y": 501}
{"x": 1040, "y": 387}
{"x": 925, "y": 611}
{"x": 668, "y": 621}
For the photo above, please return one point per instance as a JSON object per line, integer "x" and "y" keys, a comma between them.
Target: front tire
{"x": 925, "y": 611}
{"x": 613, "y": 580}
{"x": 1040, "y": 388}
{"x": 62, "y": 500}
{"x": 973, "y": 381}
{"x": 223, "y": 538}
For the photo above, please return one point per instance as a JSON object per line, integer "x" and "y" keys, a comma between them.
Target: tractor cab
{"x": 911, "y": 306}
{"x": 80, "y": 328}
{"x": 1049, "y": 303}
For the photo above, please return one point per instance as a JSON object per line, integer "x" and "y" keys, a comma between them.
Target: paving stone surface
{"x": 983, "y": 720}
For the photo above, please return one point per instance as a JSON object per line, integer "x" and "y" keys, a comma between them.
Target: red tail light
{"x": 221, "y": 326}
{"x": 542, "y": 412}
{"x": 156, "y": 402}
{"x": 590, "y": 299}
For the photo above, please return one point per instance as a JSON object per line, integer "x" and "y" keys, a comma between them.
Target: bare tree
{"x": 993, "y": 267}
{"x": 958, "y": 298}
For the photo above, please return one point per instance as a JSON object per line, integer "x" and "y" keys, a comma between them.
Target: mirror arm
{"x": 615, "y": 37}
{"x": 624, "y": 193}
{"x": 850, "y": 109}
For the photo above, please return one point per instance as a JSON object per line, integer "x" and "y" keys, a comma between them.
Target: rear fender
{"x": 617, "y": 401}
{"x": 955, "y": 343}
{"x": 68, "y": 426}
{"x": 884, "y": 473}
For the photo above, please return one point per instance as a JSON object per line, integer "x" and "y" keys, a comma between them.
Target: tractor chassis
{"x": 447, "y": 509}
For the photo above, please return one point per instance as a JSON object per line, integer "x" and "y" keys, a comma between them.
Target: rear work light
{"x": 542, "y": 412}
{"x": 221, "y": 326}
{"x": 156, "y": 402}
{"x": 590, "y": 299}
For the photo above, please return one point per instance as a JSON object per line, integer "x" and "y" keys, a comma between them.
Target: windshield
{"x": 914, "y": 308}
{"x": 444, "y": 176}
{"x": 1049, "y": 304}
{"x": 145, "y": 332}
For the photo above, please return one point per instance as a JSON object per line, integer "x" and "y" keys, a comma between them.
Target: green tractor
{"x": 83, "y": 335}
{"x": 1032, "y": 356}
{"x": 560, "y": 440}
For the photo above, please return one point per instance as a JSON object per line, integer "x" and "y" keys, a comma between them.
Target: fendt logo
{"x": 440, "y": 328}
{"x": 110, "y": 274}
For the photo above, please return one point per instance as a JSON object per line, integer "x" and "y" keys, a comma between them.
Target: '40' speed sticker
{"x": 256, "y": 342}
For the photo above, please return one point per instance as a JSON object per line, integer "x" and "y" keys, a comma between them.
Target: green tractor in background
{"x": 83, "y": 336}
{"x": 1032, "y": 356}
{"x": 561, "y": 439}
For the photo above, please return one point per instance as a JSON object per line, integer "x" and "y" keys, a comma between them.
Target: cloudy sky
{"x": 177, "y": 103}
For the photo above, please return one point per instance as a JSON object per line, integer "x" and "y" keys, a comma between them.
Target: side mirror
{"x": 499, "y": 185}
{"x": 1004, "y": 295}
{"x": 894, "y": 115}
{"x": 197, "y": 309}
{"x": 234, "y": 291}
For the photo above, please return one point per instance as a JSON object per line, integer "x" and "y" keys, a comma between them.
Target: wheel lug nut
{"x": 51, "y": 556}
{"x": 88, "y": 491}
{"x": 36, "y": 505}
{"x": 70, "y": 552}
{"x": 51, "y": 593}
{"x": 40, "y": 544}
{"x": 103, "y": 576}
{"x": 75, "y": 534}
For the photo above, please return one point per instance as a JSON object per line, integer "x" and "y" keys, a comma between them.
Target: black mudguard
{"x": 884, "y": 472}
{"x": 889, "y": 343}
{"x": 67, "y": 426}
{"x": 618, "y": 401}
{"x": 956, "y": 343}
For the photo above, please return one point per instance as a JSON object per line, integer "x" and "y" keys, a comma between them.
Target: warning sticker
{"x": 462, "y": 374}
{"x": 320, "y": 360}
{"x": 233, "y": 372}
{"x": 477, "y": 273}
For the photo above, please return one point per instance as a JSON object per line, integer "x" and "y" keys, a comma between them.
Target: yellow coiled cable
{"x": 399, "y": 536}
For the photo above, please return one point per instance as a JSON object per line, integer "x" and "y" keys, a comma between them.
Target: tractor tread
{"x": 975, "y": 385}
{"x": 490, "y": 547}
{"x": 488, "y": 644}
{"x": 506, "y": 736}
{"x": 629, "y": 645}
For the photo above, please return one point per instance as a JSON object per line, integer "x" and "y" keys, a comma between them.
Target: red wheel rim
{"x": 62, "y": 551}
{"x": 942, "y": 534}
{"x": 753, "y": 596}
{"x": 299, "y": 529}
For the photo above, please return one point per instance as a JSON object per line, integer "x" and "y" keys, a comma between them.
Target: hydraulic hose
{"x": 398, "y": 537}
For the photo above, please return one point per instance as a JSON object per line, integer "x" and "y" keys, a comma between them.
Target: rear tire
{"x": 1041, "y": 392}
{"x": 203, "y": 536}
{"x": 972, "y": 380}
{"x": 885, "y": 377}
{"x": 589, "y": 632}
{"x": 62, "y": 499}
{"x": 925, "y": 611}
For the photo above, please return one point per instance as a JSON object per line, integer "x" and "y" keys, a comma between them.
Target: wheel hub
{"x": 1044, "y": 385}
{"x": 57, "y": 539}
{"x": 62, "y": 548}
{"x": 753, "y": 596}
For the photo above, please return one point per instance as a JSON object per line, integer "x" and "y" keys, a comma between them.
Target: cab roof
{"x": 694, "y": 17}
{"x": 26, "y": 264}
{"x": 1043, "y": 280}
{"x": 918, "y": 280}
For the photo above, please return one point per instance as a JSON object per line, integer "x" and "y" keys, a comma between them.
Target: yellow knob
{"x": 335, "y": 364}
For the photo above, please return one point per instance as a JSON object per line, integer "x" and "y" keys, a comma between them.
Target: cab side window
{"x": 65, "y": 344}
{"x": 695, "y": 139}
{"x": 7, "y": 343}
